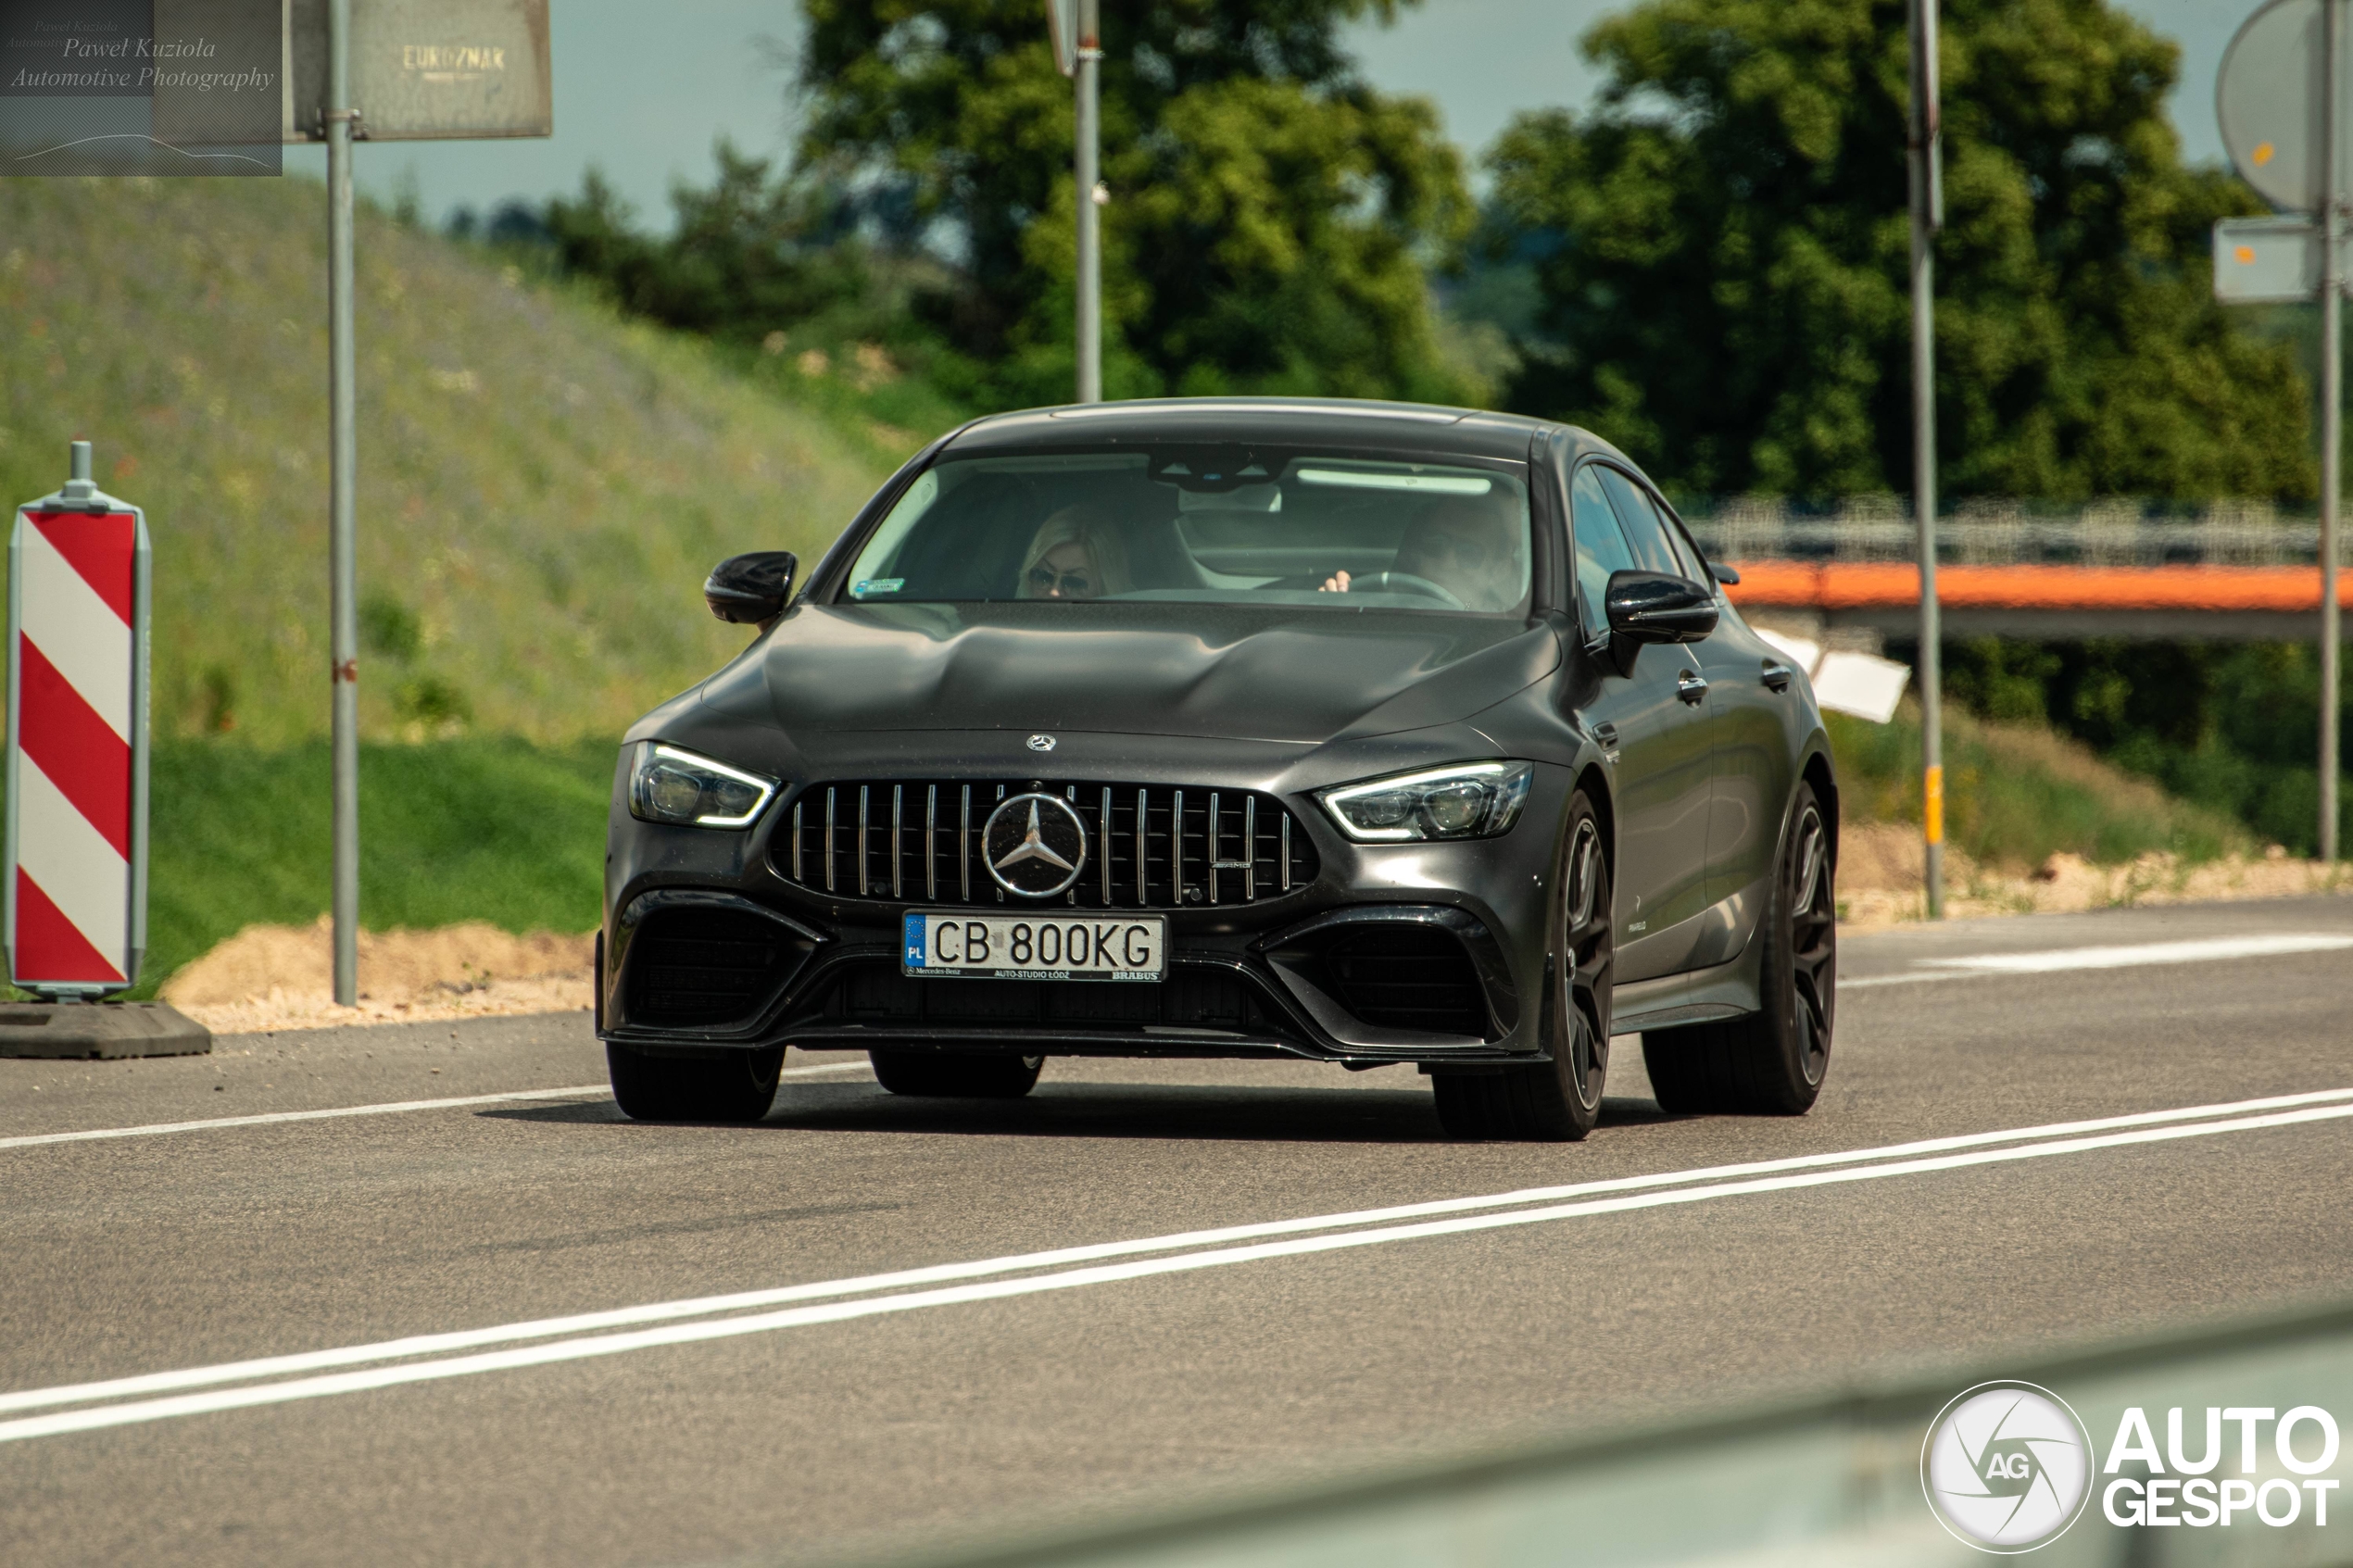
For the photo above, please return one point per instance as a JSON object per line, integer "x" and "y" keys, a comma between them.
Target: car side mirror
{"x": 1658, "y": 607}
{"x": 749, "y": 590}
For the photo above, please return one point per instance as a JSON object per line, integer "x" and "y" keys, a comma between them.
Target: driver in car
{"x": 1466, "y": 547}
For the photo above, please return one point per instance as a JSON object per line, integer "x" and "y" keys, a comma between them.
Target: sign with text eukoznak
{"x": 425, "y": 69}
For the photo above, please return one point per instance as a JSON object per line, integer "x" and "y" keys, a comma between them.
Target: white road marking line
{"x": 593, "y": 1346}
{"x": 2335, "y": 1100}
{"x": 389, "y": 1108}
{"x": 2057, "y": 961}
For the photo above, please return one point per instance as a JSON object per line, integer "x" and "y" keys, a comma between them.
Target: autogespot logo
{"x": 2007, "y": 1467}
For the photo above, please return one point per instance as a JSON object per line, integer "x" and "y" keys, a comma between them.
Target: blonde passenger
{"x": 1075, "y": 555}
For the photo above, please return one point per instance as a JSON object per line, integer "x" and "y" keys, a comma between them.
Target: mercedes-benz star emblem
{"x": 1034, "y": 845}
{"x": 1041, "y": 743}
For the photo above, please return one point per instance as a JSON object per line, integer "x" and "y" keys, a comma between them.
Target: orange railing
{"x": 1883, "y": 584}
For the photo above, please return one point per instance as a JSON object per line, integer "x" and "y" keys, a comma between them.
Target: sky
{"x": 645, "y": 102}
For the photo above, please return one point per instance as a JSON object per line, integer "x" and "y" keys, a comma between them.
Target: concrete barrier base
{"x": 99, "y": 1030}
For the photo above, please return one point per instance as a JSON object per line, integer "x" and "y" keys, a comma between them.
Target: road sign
{"x": 2267, "y": 260}
{"x": 77, "y": 766}
{"x": 2279, "y": 99}
{"x": 2270, "y": 100}
{"x": 425, "y": 69}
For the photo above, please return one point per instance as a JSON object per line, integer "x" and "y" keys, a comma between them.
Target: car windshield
{"x": 1212, "y": 525}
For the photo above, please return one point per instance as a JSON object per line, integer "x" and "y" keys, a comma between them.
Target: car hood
{"x": 1244, "y": 672}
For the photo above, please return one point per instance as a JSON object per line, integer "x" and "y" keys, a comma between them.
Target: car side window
{"x": 1601, "y": 549}
{"x": 1654, "y": 542}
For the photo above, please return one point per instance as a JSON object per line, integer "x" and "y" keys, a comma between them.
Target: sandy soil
{"x": 1880, "y": 878}
{"x": 270, "y": 977}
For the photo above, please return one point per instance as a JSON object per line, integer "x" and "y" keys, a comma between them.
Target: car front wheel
{"x": 1770, "y": 1063}
{"x": 739, "y": 1086}
{"x": 1559, "y": 1101}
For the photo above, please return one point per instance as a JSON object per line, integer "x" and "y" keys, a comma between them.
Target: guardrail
{"x": 2007, "y": 534}
{"x": 1835, "y": 1480}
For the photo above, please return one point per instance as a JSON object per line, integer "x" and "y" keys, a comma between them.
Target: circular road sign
{"x": 2269, "y": 100}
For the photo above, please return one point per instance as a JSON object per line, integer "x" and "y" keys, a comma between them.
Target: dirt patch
{"x": 282, "y": 976}
{"x": 270, "y": 977}
{"x": 1879, "y": 880}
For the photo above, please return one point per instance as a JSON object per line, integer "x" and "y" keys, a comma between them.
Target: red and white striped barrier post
{"x": 77, "y": 824}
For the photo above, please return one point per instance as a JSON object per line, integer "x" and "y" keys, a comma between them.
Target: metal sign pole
{"x": 344, "y": 623}
{"x": 1090, "y": 261}
{"x": 2332, "y": 404}
{"x": 1928, "y": 216}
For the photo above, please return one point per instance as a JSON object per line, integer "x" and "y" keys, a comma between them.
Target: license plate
{"x": 1035, "y": 946}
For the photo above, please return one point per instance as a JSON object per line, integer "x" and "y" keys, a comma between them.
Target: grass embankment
{"x": 488, "y": 828}
{"x": 2016, "y": 795}
{"x": 542, "y": 485}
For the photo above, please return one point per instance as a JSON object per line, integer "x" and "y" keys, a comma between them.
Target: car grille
{"x": 1167, "y": 848}
{"x": 1408, "y": 977}
{"x": 700, "y": 967}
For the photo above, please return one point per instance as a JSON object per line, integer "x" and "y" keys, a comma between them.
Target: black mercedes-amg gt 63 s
{"x": 1360, "y": 733}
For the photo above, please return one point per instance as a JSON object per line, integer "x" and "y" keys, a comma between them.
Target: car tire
{"x": 1559, "y": 1101}
{"x": 739, "y": 1086}
{"x": 956, "y": 1074}
{"x": 1770, "y": 1063}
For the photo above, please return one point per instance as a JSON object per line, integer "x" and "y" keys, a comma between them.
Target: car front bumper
{"x": 1286, "y": 975}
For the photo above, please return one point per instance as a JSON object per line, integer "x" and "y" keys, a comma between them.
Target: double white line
{"x": 428, "y": 1358}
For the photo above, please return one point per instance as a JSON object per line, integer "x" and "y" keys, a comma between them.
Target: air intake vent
{"x": 878, "y": 994}
{"x": 1407, "y": 977}
{"x": 1148, "y": 847}
{"x": 706, "y": 968}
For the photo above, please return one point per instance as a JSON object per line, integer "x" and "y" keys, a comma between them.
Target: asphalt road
{"x": 831, "y": 1418}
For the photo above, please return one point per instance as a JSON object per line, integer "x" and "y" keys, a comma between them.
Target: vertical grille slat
{"x": 1250, "y": 848}
{"x": 1214, "y": 856}
{"x": 1147, "y": 840}
{"x": 1103, "y": 845}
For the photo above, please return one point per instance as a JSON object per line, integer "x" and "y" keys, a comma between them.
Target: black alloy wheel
{"x": 956, "y": 1075}
{"x": 1772, "y": 1061}
{"x": 739, "y": 1086}
{"x": 1559, "y": 1101}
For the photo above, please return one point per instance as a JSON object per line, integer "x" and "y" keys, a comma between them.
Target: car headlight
{"x": 1465, "y": 800}
{"x": 667, "y": 785}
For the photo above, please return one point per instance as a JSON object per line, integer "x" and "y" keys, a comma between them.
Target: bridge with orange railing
{"x": 2235, "y": 572}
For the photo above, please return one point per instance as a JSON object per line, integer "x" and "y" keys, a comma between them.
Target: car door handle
{"x": 1605, "y": 734}
{"x": 1777, "y": 675}
{"x": 1691, "y": 687}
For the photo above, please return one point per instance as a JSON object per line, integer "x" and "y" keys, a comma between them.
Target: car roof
{"x": 1354, "y": 422}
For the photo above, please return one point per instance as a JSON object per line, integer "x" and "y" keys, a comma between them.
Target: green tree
{"x": 1724, "y": 279}
{"x": 749, "y": 255}
{"x": 1270, "y": 217}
